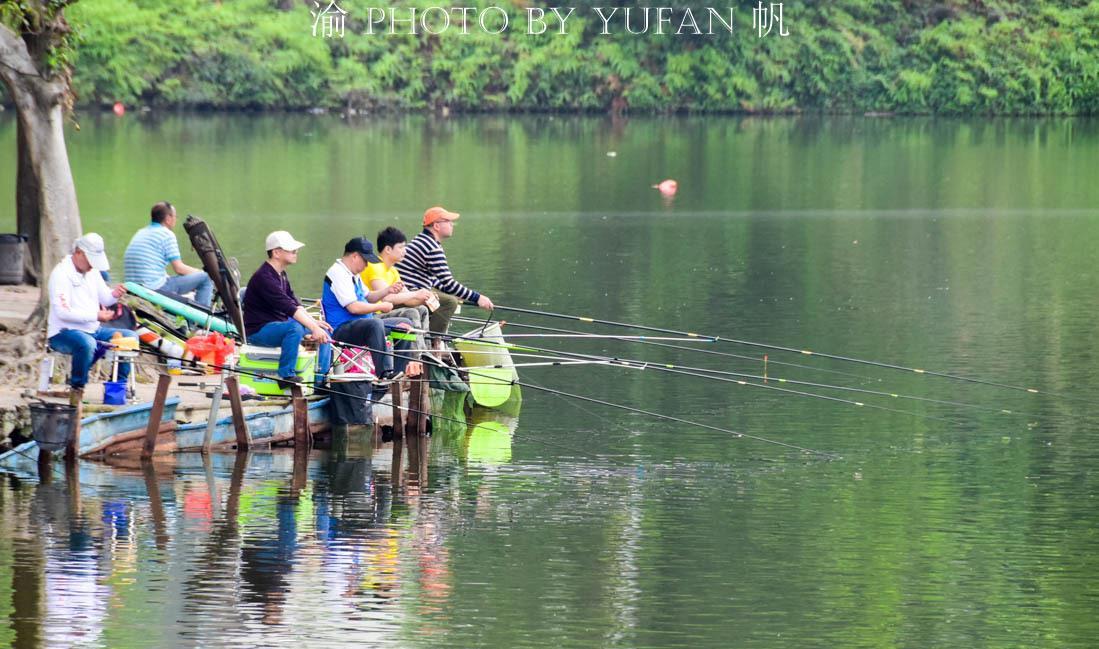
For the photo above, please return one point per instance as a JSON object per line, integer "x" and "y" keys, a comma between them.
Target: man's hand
{"x": 485, "y": 303}
{"x": 319, "y": 335}
{"x": 105, "y": 315}
{"x": 423, "y": 294}
{"x": 404, "y": 326}
{"x": 384, "y": 307}
{"x": 118, "y": 291}
{"x": 324, "y": 325}
{"x": 396, "y": 287}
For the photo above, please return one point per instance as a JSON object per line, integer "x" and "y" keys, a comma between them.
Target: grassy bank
{"x": 904, "y": 56}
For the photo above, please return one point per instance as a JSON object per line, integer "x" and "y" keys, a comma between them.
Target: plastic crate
{"x": 265, "y": 360}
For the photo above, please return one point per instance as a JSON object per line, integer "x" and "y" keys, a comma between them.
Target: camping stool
{"x": 119, "y": 356}
{"x": 359, "y": 363}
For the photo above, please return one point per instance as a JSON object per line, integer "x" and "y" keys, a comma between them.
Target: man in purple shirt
{"x": 273, "y": 315}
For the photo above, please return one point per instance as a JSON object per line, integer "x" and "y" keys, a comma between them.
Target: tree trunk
{"x": 45, "y": 193}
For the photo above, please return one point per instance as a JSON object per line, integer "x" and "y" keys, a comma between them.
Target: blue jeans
{"x": 287, "y": 335}
{"x": 83, "y": 348}
{"x": 198, "y": 282}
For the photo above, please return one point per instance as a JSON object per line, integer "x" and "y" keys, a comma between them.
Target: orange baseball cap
{"x": 437, "y": 213}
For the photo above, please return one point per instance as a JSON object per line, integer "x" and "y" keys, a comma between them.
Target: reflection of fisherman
{"x": 266, "y": 561}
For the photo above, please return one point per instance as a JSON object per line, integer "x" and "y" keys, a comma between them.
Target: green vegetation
{"x": 908, "y": 56}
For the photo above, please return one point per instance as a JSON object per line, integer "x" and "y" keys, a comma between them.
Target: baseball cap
{"x": 437, "y": 213}
{"x": 282, "y": 239}
{"x": 362, "y": 246}
{"x": 94, "y": 250}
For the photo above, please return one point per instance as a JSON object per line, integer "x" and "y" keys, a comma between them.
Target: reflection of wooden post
{"x": 414, "y": 409}
{"x": 76, "y": 400}
{"x": 155, "y": 415}
{"x": 244, "y": 437}
{"x": 211, "y": 485}
{"x": 72, "y": 480}
{"x": 232, "y": 503}
{"x": 398, "y": 434}
{"x": 301, "y": 467}
{"x": 302, "y": 437}
{"x": 155, "y": 504}
{"x": 215, "y": 412}
{"x": 45, "y": 467}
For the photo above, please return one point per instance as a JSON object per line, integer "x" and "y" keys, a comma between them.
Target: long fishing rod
{"x": 703, "y": 372}
{"x": 734, "y": 433}
{"x": 749, "y": 343}
{"x": 697, "y": 350}
{"x": 709, "y": 374}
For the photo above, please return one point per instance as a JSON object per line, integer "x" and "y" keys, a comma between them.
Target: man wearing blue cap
{"x": 350, "y": 309}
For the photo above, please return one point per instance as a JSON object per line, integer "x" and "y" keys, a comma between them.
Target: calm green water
{"x": 960, "y": 246}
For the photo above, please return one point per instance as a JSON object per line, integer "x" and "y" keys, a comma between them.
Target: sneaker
{"x": 287, "y": 382}
{"x": 388, "y": 378}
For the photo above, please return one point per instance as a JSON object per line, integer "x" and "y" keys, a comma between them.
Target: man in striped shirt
{"x": 425, "y": 266}
{"x": 154, "y": 247}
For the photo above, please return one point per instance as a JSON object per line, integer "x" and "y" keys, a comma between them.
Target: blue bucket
{"x": 114, "y": 393}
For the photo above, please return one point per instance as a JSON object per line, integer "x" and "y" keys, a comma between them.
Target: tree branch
{"x": 14, "y": 55}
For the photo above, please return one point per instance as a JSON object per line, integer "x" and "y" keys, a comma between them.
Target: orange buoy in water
{"x": 119, "y": 109}
{"x": 667, "y": 187}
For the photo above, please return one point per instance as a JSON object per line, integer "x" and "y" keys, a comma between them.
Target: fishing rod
{"x": 749, "y": 343}
{"x": 708, "y": 374}
{"x": 697, "y": 350}
{"x": 734, "y": 433}
{"x": 703, "y": 372}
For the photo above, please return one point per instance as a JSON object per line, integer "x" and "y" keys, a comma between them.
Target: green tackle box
{"x": 265, "y": 360}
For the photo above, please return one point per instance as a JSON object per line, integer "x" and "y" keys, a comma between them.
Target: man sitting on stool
{"x": 348, "y": 307}
{"x": 273, "y": 315}
{"x": 77, "y": 298}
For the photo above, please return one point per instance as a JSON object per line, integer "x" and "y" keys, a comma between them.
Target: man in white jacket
{"x": 78, "y": 296}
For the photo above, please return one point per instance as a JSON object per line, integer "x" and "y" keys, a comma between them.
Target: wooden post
{"x": 244, "y": 436}
{"x": 398, "y": 416}
{"x": 76, "y": 400}
{"x": 155, "y": 414}
{"x": 425, "y": 405}
{"x": 215, "y": 411}
{"x": 302, "y": 436}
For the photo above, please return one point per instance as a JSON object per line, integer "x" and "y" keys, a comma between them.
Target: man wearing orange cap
{"x": 425, "y": 266}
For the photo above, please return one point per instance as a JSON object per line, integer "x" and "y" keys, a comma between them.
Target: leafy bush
{"x": 910, "y": 56}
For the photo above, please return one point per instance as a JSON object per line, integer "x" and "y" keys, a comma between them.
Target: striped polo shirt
{"x": 424, "y": 266}
{"x": 152, "y": 248}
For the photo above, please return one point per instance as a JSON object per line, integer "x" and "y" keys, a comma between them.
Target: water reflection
{"x": 223, "y": 547}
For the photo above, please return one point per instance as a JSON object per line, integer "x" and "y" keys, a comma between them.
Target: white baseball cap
{"x": 282, "y": 239}
{"x": 94, "y": 250}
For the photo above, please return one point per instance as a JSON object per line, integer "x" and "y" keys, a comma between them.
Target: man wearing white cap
{"x": 273, "y": 315}
{"x": 77, "y": 300}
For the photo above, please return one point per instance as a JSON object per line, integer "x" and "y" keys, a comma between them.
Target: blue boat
{"x": 122, "y": 431}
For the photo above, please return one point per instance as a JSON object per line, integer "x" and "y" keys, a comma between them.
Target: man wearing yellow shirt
{"x": 414, "y": 305}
